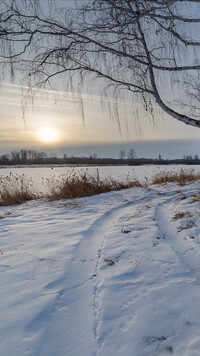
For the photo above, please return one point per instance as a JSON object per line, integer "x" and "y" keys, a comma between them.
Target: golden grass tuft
{"x": 15, "y": 196}
{"x": 18, "y": 191}
{"x": 181, "y": 178}
{"x": 15, "y": 190}
{"x": 78, "y": 186}
{"x": 178, "y": 216}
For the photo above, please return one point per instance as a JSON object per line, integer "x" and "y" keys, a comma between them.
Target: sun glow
{"x": 48, "y": 135}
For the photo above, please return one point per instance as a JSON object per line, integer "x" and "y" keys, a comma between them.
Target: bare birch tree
{"x": 147, "y": 49}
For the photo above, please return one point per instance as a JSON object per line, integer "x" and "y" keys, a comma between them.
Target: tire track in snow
{"x": 153, "y": 198}
{"x": 96, "y": 296}
{"x": 170, "y": 235}
{"x": 79, "y": 301}
{"x": 142, "y": 200}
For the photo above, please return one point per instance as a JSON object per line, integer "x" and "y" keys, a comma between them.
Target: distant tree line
{"x": 28, "y": 157}
{"x": 24, "y": 156}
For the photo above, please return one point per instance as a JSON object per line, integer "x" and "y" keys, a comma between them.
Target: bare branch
{"x": 131, "y": 45}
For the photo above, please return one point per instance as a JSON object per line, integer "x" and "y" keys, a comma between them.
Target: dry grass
{"x": 182, "y": 196}
{"x": 195, "y": 198}
{"x": 16, "y": 190}
{"x": 189, "y": 225}
{"x": 16, "y": 196}
{"x": 181, "y": 178}
{"x": 70, "y": 187}
{"x": 178, "y": 216}
{"x": 70, "y": 205}
{"x": 78, "y": 186}
{"x": 109, "y": 262}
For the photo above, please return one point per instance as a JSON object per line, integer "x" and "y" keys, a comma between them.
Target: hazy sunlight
{"x": 48, "y": 135}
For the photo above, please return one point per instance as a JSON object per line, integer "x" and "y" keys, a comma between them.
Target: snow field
{"x": 114, "y": 274}
{"x": 40, "y": 179}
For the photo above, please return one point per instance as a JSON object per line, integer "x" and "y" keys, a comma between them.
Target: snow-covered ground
{"x": 114, "y": 274}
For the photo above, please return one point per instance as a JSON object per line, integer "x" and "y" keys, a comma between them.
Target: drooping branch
{"x": 187, "y": 120}
{"x": 127, "y": 43}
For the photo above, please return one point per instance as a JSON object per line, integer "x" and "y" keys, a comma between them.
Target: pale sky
{"x": 61, "y": 115}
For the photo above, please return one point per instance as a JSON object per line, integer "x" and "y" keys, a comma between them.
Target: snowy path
{"x": 116, "y": 274}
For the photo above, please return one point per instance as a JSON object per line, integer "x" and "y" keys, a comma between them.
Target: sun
{"x": 48, "y": 135}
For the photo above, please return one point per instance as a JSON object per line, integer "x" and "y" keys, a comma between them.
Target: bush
{"x": 78, "y": 186}
{"x": 16, "y": 196}
{"x": 181, "y": 177}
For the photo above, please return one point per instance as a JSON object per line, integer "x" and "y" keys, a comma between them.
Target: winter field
{"x": 110, "y": 274}
{"x": 40, "y": 178}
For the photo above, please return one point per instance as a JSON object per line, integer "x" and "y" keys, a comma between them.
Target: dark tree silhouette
{"x": 122, "y": 154}
{"x": 141, "y": 48}
{"x": 131, "y": 153}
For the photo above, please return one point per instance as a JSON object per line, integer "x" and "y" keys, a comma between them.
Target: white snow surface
{"x": 113, "y": 274}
